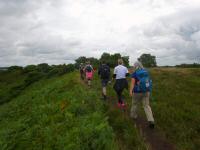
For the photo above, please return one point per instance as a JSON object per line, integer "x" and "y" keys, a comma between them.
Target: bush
{"x": 33, "y": 76}
{"x": 43, "y": 68}
{"x": 30, "y": 68}
{"x": 13, "y": 68}
{"x": 58, "y": 70}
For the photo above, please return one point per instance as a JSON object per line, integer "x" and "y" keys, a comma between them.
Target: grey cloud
{"x": 37, "y": 31}
{"x": 173, "y": 36}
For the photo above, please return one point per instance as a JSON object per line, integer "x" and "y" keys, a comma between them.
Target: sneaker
{"x": 151, "y": 125}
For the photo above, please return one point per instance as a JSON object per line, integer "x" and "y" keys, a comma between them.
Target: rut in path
{"x": 154, "y": 138}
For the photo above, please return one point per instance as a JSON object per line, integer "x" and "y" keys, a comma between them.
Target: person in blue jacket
{"x": 140, "y": 88}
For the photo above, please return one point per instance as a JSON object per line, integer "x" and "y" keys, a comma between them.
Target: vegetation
{"x": 62, "y": 113}
{"x": 48, "y": 107}
{"x": 194, "y": 65}
{"x": 111, "y": 60}
{"x": 15, "y": 79}
{"x": 175, "y": 105}
{"x": 148, "y": 60}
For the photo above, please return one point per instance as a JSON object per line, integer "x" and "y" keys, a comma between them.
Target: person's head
{"x": 120, "y": 61}
{"x": 138, "y": 65}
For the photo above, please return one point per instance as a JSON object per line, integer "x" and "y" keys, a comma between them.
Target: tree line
{"x": 147, "y": 60}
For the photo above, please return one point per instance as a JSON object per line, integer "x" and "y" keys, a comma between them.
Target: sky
{"x": 57, "y": 32}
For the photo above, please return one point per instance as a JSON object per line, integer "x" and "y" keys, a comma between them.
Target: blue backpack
{"x": 145, "y": 83}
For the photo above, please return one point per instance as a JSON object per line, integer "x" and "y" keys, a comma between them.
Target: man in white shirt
{"x": 120, "y": 74}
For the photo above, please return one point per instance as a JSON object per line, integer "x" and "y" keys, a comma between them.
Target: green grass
{"x": 55, "y": 114}
{"x": 58, "y": 113}
{"x": 176, "y": 104}
{"x": 63, "y": 113}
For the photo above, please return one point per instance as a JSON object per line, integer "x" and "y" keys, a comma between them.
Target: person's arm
{"x": 99, "y": 70}
{"x": 127, "y": 73}
{"x": 114, "y": 74}
{"x": 132, "y": 86}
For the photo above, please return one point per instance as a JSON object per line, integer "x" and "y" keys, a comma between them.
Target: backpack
{"x": 105, "y": 72}
{"x": 88, "y": 68}
{"x": 145, "y": 83}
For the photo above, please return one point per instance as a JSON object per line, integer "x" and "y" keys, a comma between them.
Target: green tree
{"x": 105, "y": 57}
{"x": 94, "y": 61}
{"x": 111, "y": 59}
{"x": 148, "y": 60}
{"x": 126, "y": 60}
{"x": 44, "y": 67}
{"x": 80, "y": 60}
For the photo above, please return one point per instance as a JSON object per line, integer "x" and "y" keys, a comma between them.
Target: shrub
{"x": 43, "y": 68}
{"x": 30, "y": 68}
{"x": 33, "y": 76}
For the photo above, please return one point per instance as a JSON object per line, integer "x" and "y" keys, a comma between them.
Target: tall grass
{"x": 176, "y": 103}
{"x": 55, "y": 113}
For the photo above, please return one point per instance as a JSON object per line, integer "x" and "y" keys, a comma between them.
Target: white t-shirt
{"x": 120, "y": 72}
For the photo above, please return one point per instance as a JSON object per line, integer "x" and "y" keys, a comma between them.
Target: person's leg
{"x": 104, "y": 84}
{"x": 147, "y": 109}
{"x": 119, "y": 95}
{"x": 82, "y": 75}
{"x": 135, "y": 100}
{"x": 89, "y": 82}
{"x": 104, "y": 92}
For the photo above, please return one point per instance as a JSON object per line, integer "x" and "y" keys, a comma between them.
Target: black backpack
{"x": 105, "y": 72}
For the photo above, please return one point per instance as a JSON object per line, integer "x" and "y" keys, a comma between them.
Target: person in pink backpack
{"x": 89, "y": 72}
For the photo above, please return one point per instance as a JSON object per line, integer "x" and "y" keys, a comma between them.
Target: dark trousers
{"x": 119, "y": 86}
{"x": 119, "y": 95}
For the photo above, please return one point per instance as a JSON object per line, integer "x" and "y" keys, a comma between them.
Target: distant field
{"x": 63, "y": 113}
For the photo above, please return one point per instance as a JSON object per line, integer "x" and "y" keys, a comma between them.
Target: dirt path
{"x": 154, "y": 138}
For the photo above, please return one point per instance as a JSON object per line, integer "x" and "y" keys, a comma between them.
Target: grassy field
{"x": 176, "y": 103}
{"x": 63, "y": 113}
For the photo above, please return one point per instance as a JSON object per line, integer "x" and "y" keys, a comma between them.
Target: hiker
{"x": 140, "y": 88}
{"x": 104, "y": 73}
{"x": 81, "y": 69}
{"x": 120, "y": 74}
{"x": 88, "y": 72}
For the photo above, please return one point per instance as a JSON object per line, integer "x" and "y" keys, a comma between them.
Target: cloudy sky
{"x": 59, "y": 31}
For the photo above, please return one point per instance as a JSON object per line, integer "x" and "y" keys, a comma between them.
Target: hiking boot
{"x": 151, "y": 124}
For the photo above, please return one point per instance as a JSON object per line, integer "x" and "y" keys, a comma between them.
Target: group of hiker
{"x": 140, "y": 85}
